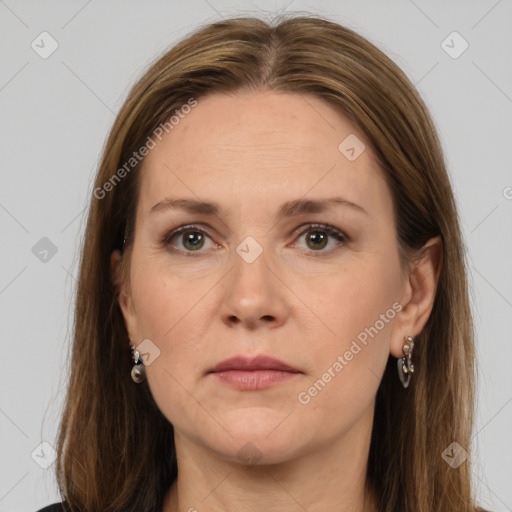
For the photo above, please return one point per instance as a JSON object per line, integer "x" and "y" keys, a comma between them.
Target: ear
{"x": 124, "y": 294}
{"x": 418, "y": 295}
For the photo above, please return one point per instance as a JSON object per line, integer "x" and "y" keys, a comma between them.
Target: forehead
{"x": 271, "y": 145}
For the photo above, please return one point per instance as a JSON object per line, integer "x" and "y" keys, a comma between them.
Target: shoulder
{"x": 55, "y": 507}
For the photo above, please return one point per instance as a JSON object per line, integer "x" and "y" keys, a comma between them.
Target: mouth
{"x": 247, "y": 374}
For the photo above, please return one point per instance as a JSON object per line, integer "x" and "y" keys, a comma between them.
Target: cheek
{"x": 174, "y": 312}
{"x": 168, "y": 313}
{"x": 348, "y": 369}
{"x": 357, "y": 308}
{"x": 164, "y": 300}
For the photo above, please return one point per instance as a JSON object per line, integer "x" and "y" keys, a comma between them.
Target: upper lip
{"x": 260, "y": 362}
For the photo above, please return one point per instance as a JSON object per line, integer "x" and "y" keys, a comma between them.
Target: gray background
{"x": 55, "y": 114}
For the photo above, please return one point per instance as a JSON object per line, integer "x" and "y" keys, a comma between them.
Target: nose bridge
{"x": 251, "y": 273}
{"x": 251, "y": 295}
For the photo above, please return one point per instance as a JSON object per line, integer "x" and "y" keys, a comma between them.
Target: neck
{"x": 331, "y": 478}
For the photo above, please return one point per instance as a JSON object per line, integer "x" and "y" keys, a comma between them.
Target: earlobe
{"x": 419, "y": 294}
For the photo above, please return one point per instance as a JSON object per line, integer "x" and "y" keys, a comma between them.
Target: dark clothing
{"x": 61, "y": 507}
{"x": 55, "y": 507}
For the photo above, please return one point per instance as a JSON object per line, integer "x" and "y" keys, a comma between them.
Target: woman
{"x": 272, "y": 310}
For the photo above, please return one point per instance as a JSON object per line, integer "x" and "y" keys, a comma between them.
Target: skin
{"x": 250, "y": 152}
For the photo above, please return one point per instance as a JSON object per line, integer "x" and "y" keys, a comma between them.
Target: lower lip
{"x": 254, "y": 379}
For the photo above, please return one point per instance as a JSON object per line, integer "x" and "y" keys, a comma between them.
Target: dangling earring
{"x": 138, "y": 370}
{"x": 405, "y": 366}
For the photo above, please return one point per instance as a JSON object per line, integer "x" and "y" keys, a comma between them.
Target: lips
{"x": 261, "y": 362}
{"x": 253, "y": 374}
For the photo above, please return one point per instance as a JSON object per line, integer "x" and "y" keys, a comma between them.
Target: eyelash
{"x": 326, "y": 228}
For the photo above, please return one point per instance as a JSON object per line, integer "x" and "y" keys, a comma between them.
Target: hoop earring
{"x": 404, "y": 364}
{"x": 138, "y": 372}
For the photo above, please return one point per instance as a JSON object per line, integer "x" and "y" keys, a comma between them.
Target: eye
{"x": 317, "y": 237}
{"x": 191, "y": 238}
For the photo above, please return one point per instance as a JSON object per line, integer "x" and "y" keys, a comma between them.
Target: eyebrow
{"x": 288, "y": 209}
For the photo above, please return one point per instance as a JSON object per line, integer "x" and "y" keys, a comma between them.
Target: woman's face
{"x": 250, "y": 278}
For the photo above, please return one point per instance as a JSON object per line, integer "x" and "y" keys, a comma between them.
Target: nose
{"x": 253, "y": 295}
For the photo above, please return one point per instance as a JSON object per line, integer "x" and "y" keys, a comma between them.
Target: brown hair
{"x": 115, "y": 448}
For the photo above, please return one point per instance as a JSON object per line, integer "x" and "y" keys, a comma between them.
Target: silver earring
{"x": 404, "y": 364}
{"x": 138, "y": 369}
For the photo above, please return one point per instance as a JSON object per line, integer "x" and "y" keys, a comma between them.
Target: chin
{"x": 260, "y": 435}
